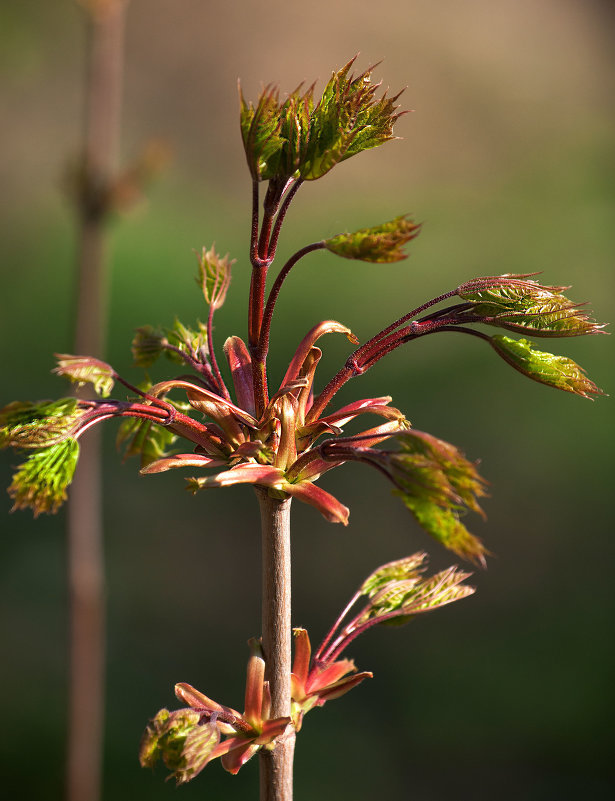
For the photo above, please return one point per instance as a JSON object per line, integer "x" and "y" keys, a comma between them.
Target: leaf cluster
{"x": 518, "y": 304}
{"x": 298, "y": 138}
{"x": 398, "y": 591}
{"x": 180, "y": 344}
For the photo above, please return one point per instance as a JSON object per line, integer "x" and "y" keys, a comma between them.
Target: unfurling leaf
{"x": 180, "y": 344}
{"x": 260, "y": 131}
{"x": 437, "y": 483}
{"x": 400, "y": 569}
{"x": 555, "y": 371}
{"x": 180, "y": 741}
{"x": 518, "y": 304}
{"x": 147, "y": 345}
{"x": 214, "y": 276}
{"x": 444, "y": 525}
{"x": 348, "y": 119}
{"x": 402, "y": 598}
{"x": 298, "y": 139}
{"x": 380, "y": 244}
{"x": 41, "y": 481}
{"x": 434, "y": 480}
{"x": 145, "y": 439}
{"x": 87, "y": 370}
{"x": 38, "y": 425}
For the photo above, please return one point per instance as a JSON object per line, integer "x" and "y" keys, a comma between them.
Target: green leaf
{"x": 433, "y": 468}
{"x": 214, "y": 276}
{"x": 260, "y": 131}
{"x": 188, "y": 341}
{"x": 295, "y": 130}
{"x": 431, "y": 593}
{"x": 347, "y": 120}
{"x": 147, "y": 345}
{"x": 443, "y": 523}
{"x": 42, "y": 480}
{"x": 436, "y": 483}
{"x": 83, "y": 370}
{"x": 379, "y": 244}
{"x": 36, "y": 425}
{"x": 410, "y": 567}
{"x": 298, "y": 139}
{"x": 144, "y": 438}
{"x": 555, "y": 371}
{"x": 398, "y": 591}
{"x": 180, "y": 741}
{"x": 180, "y": 344}
{"x": 509, "y": 301}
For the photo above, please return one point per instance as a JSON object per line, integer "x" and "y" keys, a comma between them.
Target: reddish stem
{"x": 273, "y": 242}
{"x": 263, "y": 345}
{"x": 318, "y": 656}
{"x": 401, "y": 321}
{"x": 386, "y": 341}
{"x": 220, "y": 385}
{"x": 254, "y": 227}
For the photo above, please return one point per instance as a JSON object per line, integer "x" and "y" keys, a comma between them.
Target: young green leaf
{"x": 214, "y": 276}
{"x": 347, "y": 120}
{"x": 298, "y": 139}
{"x": 145, "y": 439}
{"x": 180, "y": 344}
{"x": 379, "y": 244}
{"x": 183, "y": 744}
{"x": 399, "y": 600}
{"x": 410, "y": 567}
{"x": 147, "y": 345}
{"x": 442, "y": 522}
{"x": 517, "y": 304}
{"x": 83, "y": 370}
{"x": 260, "y": 131}
{"x": 555, "y": 371}
{"x": 41, "y": 481}
{"x": 37, "y": 425}
{"x": 433, "y": 479}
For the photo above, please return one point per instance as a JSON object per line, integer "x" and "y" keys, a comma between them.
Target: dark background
{"x": 509, "y": 161}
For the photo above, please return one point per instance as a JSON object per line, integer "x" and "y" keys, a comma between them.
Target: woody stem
{"x": 276, "y": 767}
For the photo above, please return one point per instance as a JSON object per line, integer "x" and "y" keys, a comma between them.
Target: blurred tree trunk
{"x": 105, "y": 19}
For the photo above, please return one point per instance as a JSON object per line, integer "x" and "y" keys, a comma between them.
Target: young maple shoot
{"x": 187, "y": 739}
{"x": 285, "y": 441}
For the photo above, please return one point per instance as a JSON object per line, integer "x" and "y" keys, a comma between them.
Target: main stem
{"x": 276, "y": 767}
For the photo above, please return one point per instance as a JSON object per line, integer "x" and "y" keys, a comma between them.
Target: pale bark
{"x": 276, "y": 782}
{"x": 84, "y": 520}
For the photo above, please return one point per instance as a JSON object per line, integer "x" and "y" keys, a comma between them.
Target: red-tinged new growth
{"x": 285, "y": 440}
{"x": 276, "y": 441}
{"x": 395, "y": 593}
{"x": 190, "y": 738}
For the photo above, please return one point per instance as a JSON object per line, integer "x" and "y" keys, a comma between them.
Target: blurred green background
{"x": 509, "y": 161}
